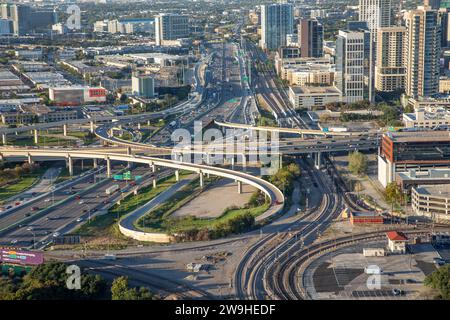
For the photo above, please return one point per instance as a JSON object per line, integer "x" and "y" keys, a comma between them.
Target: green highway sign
{"x": 245, "y": 78}
{"x": 118, "y": 177}
{"x": 136, "y": 178}
{"x": 127, "y": 175}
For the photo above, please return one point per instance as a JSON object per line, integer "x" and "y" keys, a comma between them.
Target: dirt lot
{"x": 212, "y": 202}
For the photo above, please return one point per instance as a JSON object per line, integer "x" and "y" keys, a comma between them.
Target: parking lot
{"x": 341, "y": 274}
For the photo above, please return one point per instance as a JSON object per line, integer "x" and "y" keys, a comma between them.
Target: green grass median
{"x": 160, "y": 219}
{"x": 104, "y": 224}
{"x": 21, "y": 184}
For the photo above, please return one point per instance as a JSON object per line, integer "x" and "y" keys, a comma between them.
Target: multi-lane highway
{"x": 60, "y": 211}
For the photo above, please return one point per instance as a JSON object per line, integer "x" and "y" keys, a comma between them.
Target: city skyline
{"x": 225, "y": 150}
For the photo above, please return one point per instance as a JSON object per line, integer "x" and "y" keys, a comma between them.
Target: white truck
{"x": 109, "y": 191}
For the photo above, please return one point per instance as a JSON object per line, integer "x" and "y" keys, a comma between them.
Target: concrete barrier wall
{"x": 146, "y": 236}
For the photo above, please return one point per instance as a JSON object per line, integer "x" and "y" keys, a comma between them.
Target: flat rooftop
{"x": 315, "y": 90}
{"x": 366, "y": 214}
{"x": 8, "y": 75}
{"x": 420, "y": 136}
{"x": 437, "y": 174}
{"x": 438, "y": 190}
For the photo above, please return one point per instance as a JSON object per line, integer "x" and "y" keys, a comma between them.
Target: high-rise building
{"x": 6, "y": 26}
{"x": 390, "y": 71}
{"x": 171, "y": 27}
{"x": 310, "y": 38}
{"x": 277, "y": 21}
{"x": 143, "y": 86}
{"x": 423, "y": 48}
{"x": 445, "y": 27}
{"x": 434, "y": 4}
{"x": 377, "y": 13}
{"x": 352, "y": 59}
{"x": 27, "y": 19}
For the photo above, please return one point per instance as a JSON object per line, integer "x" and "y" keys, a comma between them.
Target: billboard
{"x": 12, "y": 256}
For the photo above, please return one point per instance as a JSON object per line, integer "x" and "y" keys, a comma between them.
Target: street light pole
{"x": 34, "y": 239}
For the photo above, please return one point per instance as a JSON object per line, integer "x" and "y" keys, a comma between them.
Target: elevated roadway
{"x": 301, "y": 132}
{"x": 273, "y": 193}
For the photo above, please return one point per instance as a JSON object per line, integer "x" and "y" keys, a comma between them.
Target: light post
{"x": 34, "y": 238}
{"x": 89, "y": 210}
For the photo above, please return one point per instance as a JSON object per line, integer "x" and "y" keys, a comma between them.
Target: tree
{"x": 440, "y": 280}
{"x": 393, "y": 194}
{"x": 120, "y": 290}
{"x": 357, "y": 163}
{"x": 48, "y": 282}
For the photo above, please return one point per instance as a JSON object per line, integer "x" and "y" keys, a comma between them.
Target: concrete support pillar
{"x": 139, "y": 126}
{"x": 154, "y": 182}
{"x": 201, "y": 179}
{"x": 153, "y": 167}
{"x": 177, "y": 175}
{"x": 91, "y": 126}
{"x": 108, "y": 167}
{"x": 232, "y": 162}
{"x": 4, "y": 138}
{"x": 244, "y": 162}
{"x": 148, "y": 122}
{"x": 70, "y": 165}
{"x": 95, "y": 163}
{"x": 65, "y": 130}
{"x": 30, "y": 160}
{"x": 36, "y": 137}
{"x": 208, "y": 158}
{"x": 239, "y": 186}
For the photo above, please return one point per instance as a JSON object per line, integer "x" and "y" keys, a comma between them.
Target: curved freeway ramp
{"x": 275, "y": 195}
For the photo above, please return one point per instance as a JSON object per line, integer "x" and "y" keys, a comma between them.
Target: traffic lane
{"x": 27, "y": 209}
{"x": 65, "y": 214}
{"x": 43, "y": 226}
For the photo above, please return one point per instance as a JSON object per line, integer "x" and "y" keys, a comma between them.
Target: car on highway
{"x": 13, "y": 241}
{"x": 34, "y": 208}
{"x": 79, "y": 219}
{"x": 56, "y": 234}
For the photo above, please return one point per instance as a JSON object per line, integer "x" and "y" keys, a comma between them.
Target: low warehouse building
{"x": 396, "y": 242}
{"x": 369, "y": 217}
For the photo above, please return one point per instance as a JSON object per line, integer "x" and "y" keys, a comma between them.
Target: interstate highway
{"x": 63, "y": 214}
{"x": 14, "y": 215}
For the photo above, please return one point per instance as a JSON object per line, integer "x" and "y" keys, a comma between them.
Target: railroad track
{"x": 251, "y": 273}
{"x": 162, "y": 284}
{"x": 274, "y": 283}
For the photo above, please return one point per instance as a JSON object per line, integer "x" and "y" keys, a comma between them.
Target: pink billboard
{"x": 21, "y": 257}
